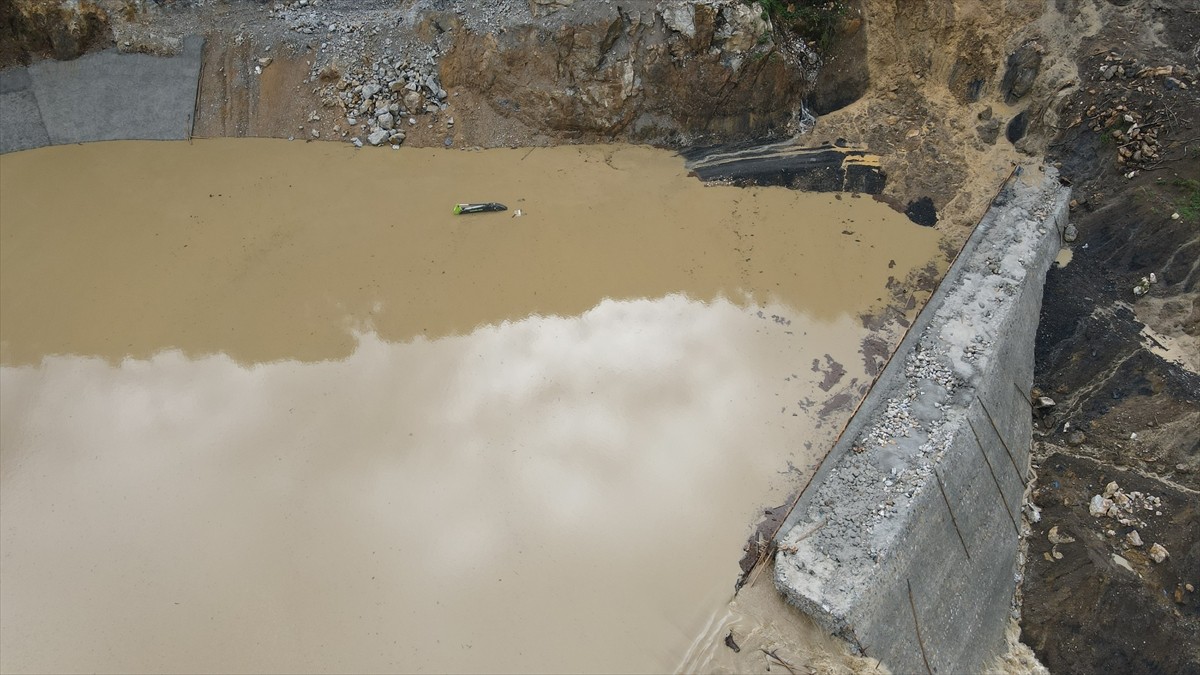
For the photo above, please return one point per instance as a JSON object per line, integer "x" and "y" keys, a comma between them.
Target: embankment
{"x": 100, "y": 97}
{"x": 906, "y": 541}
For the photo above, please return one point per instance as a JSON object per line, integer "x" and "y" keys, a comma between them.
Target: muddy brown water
{"x": 270, "y": 406}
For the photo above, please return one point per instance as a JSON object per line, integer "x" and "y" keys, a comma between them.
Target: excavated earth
{"x": 943, "y": 96}
{"x": 1122, "y": 365}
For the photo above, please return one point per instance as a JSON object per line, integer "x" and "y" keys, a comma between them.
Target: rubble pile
{"x": 1131, "y": 104}
{"x": 1128, "y": 510}
{"x": 381, "y": 100}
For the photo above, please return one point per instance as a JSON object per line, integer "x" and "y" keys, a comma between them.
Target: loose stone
{"x": 377, "y": 137}
{"x": 1158, "y": 553}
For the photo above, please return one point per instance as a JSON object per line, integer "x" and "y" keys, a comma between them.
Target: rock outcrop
{"x": 680, "y": 71}
{"x": 50, "y": 28}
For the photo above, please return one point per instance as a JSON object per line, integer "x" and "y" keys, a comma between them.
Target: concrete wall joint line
{"x": 992, "y": 471}
{"x": 954, "y": 521}
{"x": 992, "y": 421}
{"x": 917, "y": 625}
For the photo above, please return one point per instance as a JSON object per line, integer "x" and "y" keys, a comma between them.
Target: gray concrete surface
{"x": 21, "y": 125}
{"x": 906, "y": 541}
{"x": 100, "y": 97}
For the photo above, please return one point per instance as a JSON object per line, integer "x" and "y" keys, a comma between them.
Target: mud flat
{"x": 270, "y": 406}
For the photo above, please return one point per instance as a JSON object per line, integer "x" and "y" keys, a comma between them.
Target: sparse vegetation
{"x": 1189, "y": 206}
{"x": 818, "y": 21}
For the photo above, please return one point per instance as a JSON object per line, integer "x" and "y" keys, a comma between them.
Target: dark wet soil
{"x": 1087, "y": 613}
{"x": 1123, "y": 412}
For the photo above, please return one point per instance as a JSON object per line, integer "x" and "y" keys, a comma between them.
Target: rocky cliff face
{"x": 50, "y": 28}
{"x": 675, "y": 72}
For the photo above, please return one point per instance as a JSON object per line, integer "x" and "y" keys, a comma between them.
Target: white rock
{"x": 1056, "y": 538}
{"x": 1099, "y": 506}
{"x": 316, "y": 134}
{"x": 1033, "y": 513}
{"x": 679, "y": 18}
{"x": 377, "y": 137}
{"x": 1111, "y": 489}
{"x": 1121, "y": 562}
{"x": 1134, "y": 538}
{"x": 1158, "y": 552}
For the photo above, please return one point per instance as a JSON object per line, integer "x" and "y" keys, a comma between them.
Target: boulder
{"x": 1021, "y": 71}
{"x": 377, "y": 136}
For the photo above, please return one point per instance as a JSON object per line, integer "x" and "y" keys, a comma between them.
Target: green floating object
{"x": 460, "y": 209}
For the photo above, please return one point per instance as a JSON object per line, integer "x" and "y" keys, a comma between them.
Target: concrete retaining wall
{"x": 100, "y": 97}
{"x": 905, "y": 542}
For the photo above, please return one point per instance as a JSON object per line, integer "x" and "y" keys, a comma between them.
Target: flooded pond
{"x": 271, "y": 406}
